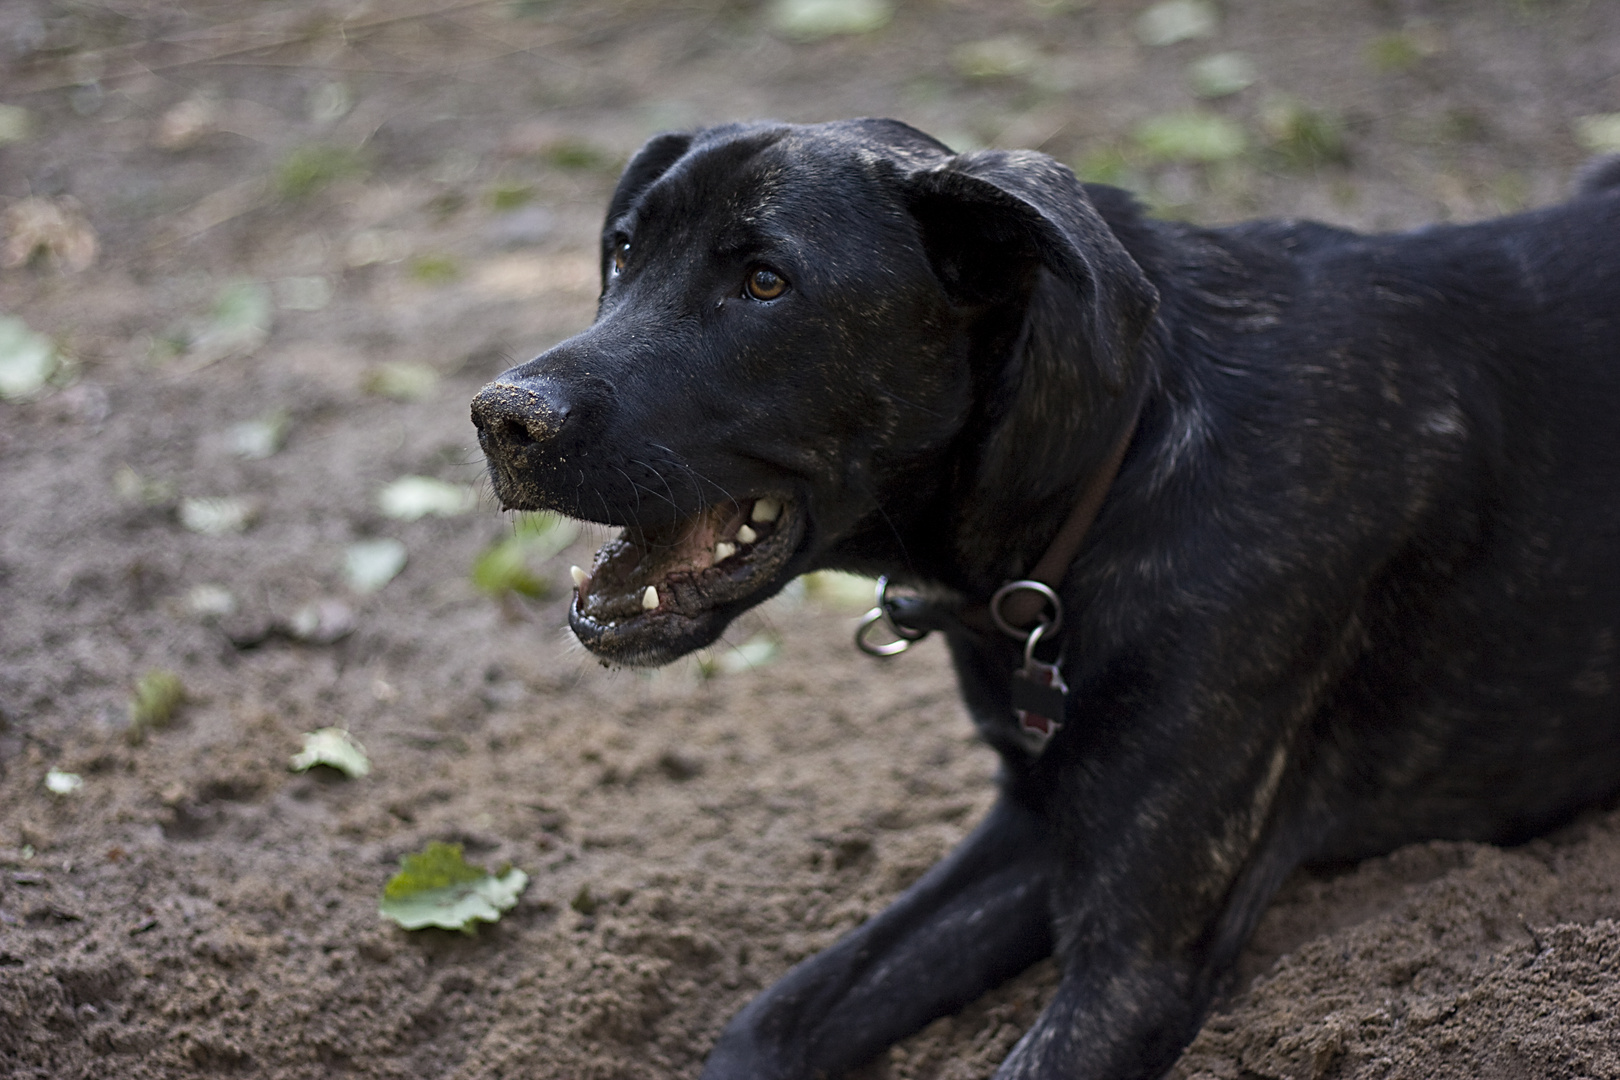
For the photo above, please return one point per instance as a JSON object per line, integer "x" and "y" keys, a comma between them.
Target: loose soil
{"x": 419, "y": 183}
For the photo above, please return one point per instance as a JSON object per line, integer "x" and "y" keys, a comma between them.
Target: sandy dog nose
{"x": 512, "y": 416}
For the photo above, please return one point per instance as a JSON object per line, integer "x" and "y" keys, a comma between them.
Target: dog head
{"x": 805, "y": 341}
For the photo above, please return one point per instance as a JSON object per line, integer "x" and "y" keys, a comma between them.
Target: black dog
{"x": 1330, "y": 524}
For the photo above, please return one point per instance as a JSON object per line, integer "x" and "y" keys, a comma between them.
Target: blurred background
{"x": 257, "y": 257}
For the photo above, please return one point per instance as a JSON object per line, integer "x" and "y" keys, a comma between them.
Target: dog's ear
{"x": 990, "y": 219}
{"x": 651, "y": 161}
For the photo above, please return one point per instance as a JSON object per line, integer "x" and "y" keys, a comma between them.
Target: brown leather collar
{"x": 1023, "y": 607}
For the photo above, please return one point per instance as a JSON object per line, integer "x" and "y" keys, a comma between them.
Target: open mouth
{"x": 656, "y": 594}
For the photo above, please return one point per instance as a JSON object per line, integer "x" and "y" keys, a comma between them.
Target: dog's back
{"x": 1434, "y": 414}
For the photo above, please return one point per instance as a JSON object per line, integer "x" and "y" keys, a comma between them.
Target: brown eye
{"x": 621, "y": 256}
{"x": 764, "y": 283}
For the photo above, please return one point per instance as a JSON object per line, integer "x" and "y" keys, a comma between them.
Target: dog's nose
{"x": 510, "y": 416}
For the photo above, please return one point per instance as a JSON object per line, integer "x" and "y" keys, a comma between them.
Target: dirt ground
{"x": 337, "y": 220}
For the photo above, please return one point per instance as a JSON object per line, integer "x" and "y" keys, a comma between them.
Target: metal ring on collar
{"x": 904, "y": 635}
{"x": 1044, "y": 626}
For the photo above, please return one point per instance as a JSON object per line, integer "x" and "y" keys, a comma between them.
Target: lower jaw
{"x": 649, "y": 640}
{"x": 687, "y": 611}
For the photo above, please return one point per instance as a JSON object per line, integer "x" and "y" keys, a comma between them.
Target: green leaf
{"x": 505, "y": 566}
{"x": 308, "y": 169}
{"x": 335, "y": 748}
{"x": 436, "y": 887}
{"x": 1191, "y": 136}
{"x": 401, "y": 381}
{"x": 995, "y": 58}
{"x": 434, "y": 269}
{"x": 27, "y": 360}
{"x": 158, "y": 696}
{"x": 1303, "y": 136}
{"x": 839, "y": 591}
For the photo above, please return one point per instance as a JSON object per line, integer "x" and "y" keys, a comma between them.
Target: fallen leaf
{"x": 1303, "y": 136}
{"x": 840, "y": 591}
{"x": 437, "y": 887}
{"x": 58, "y": 782}
{"x": 371, "y": 564}
{"x": 1222, "y": 74}
{"x": 15, "y": 124}
{"x": 308, "y": 169}
{"x": 158, "y": 696}
{"x": 210, "y": 602}
{"x": 217, "y": 516}
{"x": 813, "y": 20}
{"x": 131, "y": 486}
{"x": 412, "y": 497}
{"x": 400, "y": 381}
{"x": 330, "y": 102}
{"x": 309, "y": 293}
{"x": 258, "y": 439}
{"x": 504, "y": 566}
{"x": 237, "y": 324}
{"x": 55, "y": 230}
{"x": 1191, "y": 136}
{"x": 320, "y": 622}
{"x": 27, "y": 360}
{"x": 756, "y": 652}
{"x": 1176, "y": 21}
{"x": 1599, "y": 133}
{"x": 996, "y": 58}
{"x": 335, "y": 748}
{"x": 187, "y": 123}
{"x": 371, "y": 246}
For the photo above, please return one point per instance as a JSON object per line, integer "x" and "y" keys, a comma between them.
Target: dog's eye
{"x": 621, "y": 256}
{"x": 763, "y": 283}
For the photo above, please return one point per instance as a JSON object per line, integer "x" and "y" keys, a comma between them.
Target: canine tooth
{"x": 649, "y": 599}
{"x": 581, "y": 578}
{"x": 745, "y": 535}
{"x": 765, "y": 510}
{"x": 724, "y": 551}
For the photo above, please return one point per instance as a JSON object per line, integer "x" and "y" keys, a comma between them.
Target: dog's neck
{"x": 1043, "y": 468}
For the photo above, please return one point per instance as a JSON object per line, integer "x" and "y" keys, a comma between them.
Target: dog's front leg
{"x": 1162, "y": 885}
{"x": 976, "y": 919}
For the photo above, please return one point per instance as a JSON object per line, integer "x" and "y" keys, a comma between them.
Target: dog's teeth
{"x": 745, "y": 535}
{"x": 765, "y": 510}
{"x": 649, "y": 599}
{"x": 581, "y": 578}
{"x": 724, "y": 551}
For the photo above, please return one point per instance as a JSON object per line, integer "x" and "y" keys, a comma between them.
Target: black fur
{"x": 1357, "y": 581}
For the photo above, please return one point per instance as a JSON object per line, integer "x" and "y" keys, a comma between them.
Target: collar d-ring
{"x": 1045, "y": 626}
{"x": 883, "y": 613}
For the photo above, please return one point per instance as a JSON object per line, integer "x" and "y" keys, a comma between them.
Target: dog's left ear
{"x": 990, "y": 219}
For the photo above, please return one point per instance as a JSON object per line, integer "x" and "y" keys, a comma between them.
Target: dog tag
{"x": 1038, "y": 696}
